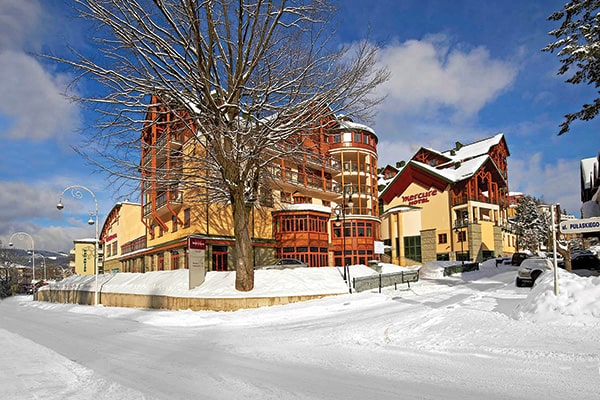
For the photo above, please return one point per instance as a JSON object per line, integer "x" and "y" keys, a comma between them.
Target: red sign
{"x": 196, "y": 243}
{"x": 419, "y": 198}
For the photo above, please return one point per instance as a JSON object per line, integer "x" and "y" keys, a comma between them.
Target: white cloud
{"x": 428, "y": 76}
{"x": 31, "y": 106}
{"x": 18, "y": 20}
{"x": 32, "y": 101}
{"x": 555, "y": 183}
{"x": 31, "y": 207}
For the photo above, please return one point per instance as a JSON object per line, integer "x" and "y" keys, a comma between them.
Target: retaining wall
{"x": 168, "y": 302}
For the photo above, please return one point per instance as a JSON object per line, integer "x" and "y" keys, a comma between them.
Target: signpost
{"x": 580, "y": 225}
{"x": 196, "y": 255}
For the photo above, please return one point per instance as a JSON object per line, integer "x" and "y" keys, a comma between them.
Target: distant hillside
{"x": 23, "y": 257}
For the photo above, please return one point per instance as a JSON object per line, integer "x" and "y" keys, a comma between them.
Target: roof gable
{"x": 413, "y": 172}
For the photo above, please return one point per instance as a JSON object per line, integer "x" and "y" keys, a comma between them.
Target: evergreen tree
{"x": 532, "y": 225}
{"x": 576, "y": 45}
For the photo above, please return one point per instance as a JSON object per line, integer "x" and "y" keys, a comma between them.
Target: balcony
{"x": 307, "y": 158}
{"x": 306, "y": 181}
{"x": 459, "y": 200}
{"x": 173, "y": 198}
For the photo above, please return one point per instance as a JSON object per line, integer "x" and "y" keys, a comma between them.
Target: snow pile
{"x": 578, "y": 297}
{"x": 268, "y": 283}
{"x": 578, "y": 300}
{"x": 435, "y": 269}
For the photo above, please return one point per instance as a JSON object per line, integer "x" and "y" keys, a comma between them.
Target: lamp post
{"x": 458, "y": 228}
{"x": 43, "y": 262}
{"x": 77, "y": 194}
{"x": 340, "y": 211}
{"x": 554, "y": 261}
{"x": 21, "y": 236}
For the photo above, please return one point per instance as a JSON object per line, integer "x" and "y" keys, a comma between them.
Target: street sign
{"x": 196, "y": 254}
{"x": 580, "y": 225}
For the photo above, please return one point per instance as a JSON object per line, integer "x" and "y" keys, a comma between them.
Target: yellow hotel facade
{"x": 322, "y": 210}
{"x": 448, "y": 205}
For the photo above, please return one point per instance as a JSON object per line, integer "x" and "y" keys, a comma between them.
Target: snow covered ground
{"x": 470, "y": 336}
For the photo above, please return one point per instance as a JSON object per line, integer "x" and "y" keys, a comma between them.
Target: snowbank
{"x": 435, "y": 269}
{"x": 578, "y": 297}
{"x": 267, "y": 283}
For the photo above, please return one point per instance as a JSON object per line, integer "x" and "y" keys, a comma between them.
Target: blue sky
{"x": 461, "y": 70}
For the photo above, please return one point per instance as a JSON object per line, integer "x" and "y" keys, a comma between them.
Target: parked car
{"x": 36, "y": 287}
{"x": 517, "y": 258}
{"x": 585, "y": 261}
{"x": 530, "y": 269}
{"x": 286, "y": 263}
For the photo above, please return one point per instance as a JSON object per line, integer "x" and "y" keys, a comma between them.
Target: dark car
{"x": 517, "y": 258}
{"x": 585, "y": 261}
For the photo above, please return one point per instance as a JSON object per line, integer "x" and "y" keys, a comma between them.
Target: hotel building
{"x": 320, "y": 201}
{"x": 448, "y": 205}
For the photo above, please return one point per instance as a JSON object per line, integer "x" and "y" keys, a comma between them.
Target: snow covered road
{"x": 452, "y": 338}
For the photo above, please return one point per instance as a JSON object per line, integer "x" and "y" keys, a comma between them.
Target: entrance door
{"x": 219, "y": 258}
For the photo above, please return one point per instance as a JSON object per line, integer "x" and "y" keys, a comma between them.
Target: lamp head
{"x": 11, "y": 244}
{"x": 60, "y": 205}
{"x": 90, "y": 221}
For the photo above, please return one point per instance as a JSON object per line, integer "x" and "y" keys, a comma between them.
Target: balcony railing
{"x": 173, "y": 197}
{"x": 458, "y": 200}
{"x": 306, "y": 180}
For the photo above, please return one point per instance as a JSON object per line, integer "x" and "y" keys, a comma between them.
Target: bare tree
{"x": 250, "y": 80}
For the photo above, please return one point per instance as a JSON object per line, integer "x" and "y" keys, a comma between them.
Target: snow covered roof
{"x": 461, "y": 171}
{"x": 464, "y": 161}
{"x": 354, "y": 125}
{"x": 307, "y": 207}
{"x": 474, "y": 149}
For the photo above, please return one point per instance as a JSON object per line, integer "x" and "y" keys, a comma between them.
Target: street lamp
{"x": 458, "y": 228}
{"x": 43, "y": 262}
{"x": 77, "y": 194}
{"x": 340, "y": 211}
{"x": 21, "y": 236}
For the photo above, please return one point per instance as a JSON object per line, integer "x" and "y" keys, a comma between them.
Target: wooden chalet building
{"x": 450, "y": 205}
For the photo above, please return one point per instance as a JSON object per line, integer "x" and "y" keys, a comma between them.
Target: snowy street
{"x": 453, "y": 338}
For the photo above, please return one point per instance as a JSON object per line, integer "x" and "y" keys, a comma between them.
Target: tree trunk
{"x": 244, "y": 269}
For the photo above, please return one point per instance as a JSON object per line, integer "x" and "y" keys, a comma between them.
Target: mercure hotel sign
{"x": 419, "y": 198}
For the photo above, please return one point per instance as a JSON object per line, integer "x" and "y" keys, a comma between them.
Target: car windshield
{"x": 536, "y": 262}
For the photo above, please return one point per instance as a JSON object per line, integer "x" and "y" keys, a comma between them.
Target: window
{"x": 174, "y": 222}
{"x": 443, "y": 257}
{"x": 360, "y": 228}
{"x": 366, "y": 139}
{"x": 443, "y": 238}
{"x": 461, "y": 236}
{"x": 357, "y": 137}
{"x": 337, "y": 138}
{"x": 412, "y": 248}
{"x": 174, "y": 259}
{"x": 187, "y": 218}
